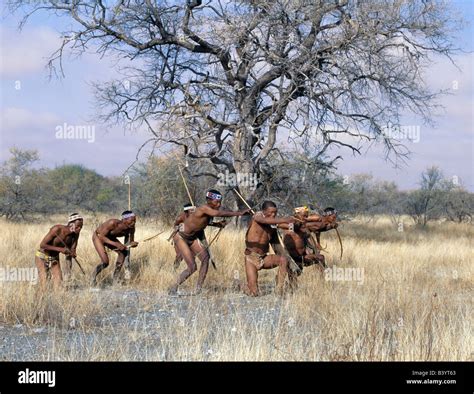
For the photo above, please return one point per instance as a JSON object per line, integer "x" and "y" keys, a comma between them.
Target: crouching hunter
{"x": 262, "y": 232}
{"x": 60, "y": 239}
{"x": 105, "y": 236}
{"x": 297, "y": 241}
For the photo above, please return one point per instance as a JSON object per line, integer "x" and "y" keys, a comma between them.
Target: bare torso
{"x": 296, "y": 241}
{"x": 57, "y": 234}
{"x": 259, "y": 236}
{"x": 197, "y": 221}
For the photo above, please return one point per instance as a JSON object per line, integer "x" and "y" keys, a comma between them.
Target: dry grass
{"x": 415, "y": 302}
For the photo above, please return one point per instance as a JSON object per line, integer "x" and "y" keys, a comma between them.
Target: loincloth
{"x": 201, "y": 235}
{"x": 256, "y": 259}
{"x": 188, "y": 238}
{"x": 47, "y": 259}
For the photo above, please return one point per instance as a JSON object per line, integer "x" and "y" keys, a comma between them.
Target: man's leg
{"x": 188, "y": 257}
{"x": 67, "y": 268}
{"x": 205, "y": 245}
{"x": 295, "y": 269}
{"x": 42, "y": 273}
{"x": 118, "y": 264}
{"x": 127, "y": 265}
{"x": 251, "y": 271}
{"x": 293, "y": 280}
{"x": 99, "y": 247}
{"x": 203, "y": 254}
{"x": 273, "y": 261}
{"x": 56, "y": 275}
{"x": 178, "y": 258}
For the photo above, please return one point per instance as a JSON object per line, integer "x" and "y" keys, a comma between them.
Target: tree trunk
{"x": 244, "y": 165}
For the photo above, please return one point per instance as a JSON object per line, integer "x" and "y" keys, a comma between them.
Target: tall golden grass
{"x": 415, "y": 301}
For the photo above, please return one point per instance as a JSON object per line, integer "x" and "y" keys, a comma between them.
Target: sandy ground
{"x": 142, "y": 320}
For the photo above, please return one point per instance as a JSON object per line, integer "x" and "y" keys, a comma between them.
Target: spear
{"x": 145, "y": 240}
{"x": 189, "y": 196}
{"x": 216, "y": 237}
{"x": 129, "y": 195}
{"x": 192, "y": 203}
{"x": 74, "y": 258}
{"x": 186, "y": 186}
{"x": 152, "y": 237}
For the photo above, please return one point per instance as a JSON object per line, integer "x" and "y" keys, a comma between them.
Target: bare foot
{"x": 248, "y": 292}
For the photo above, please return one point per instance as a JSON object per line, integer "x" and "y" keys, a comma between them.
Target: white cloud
{"x": 20, "y": 119}
{"x": 27, "y": 51}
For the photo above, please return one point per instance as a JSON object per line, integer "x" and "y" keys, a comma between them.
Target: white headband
{"x": 214, "y": 196}
{"x": 72, "y": 218}
{"x": 189, "y": 208}
{"x": 128, "y": 215}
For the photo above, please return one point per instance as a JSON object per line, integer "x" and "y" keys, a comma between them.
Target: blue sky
{"x": 32, "y": 106}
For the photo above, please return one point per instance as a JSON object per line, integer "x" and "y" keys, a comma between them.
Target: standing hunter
{"x": 188, "y": 209}
{"x": 189, "y": 231}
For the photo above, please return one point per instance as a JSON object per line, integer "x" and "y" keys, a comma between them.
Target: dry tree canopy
{"x": 227, "y": 80}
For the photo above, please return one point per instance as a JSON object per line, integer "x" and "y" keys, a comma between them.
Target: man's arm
{"x": 220, "y": 224}
{"x": 264, "y": 220}
{"x": 73, "y": 248}
{"x": 221, "y": 213}
{"x": 131, "y": 243}
{"x": 291, "y": 226}
{"x": 179, "y": 219}
{"x": 320, "y": 226}
{"x": 314, "y": 218}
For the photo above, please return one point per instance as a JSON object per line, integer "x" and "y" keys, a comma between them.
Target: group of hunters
{"x": 297, "y": 248}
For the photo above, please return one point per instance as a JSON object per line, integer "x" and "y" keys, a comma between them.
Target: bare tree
{"x": 424, "y": 204}
{"x": 228, "y": 80}
{"x": 458, "y": 202}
